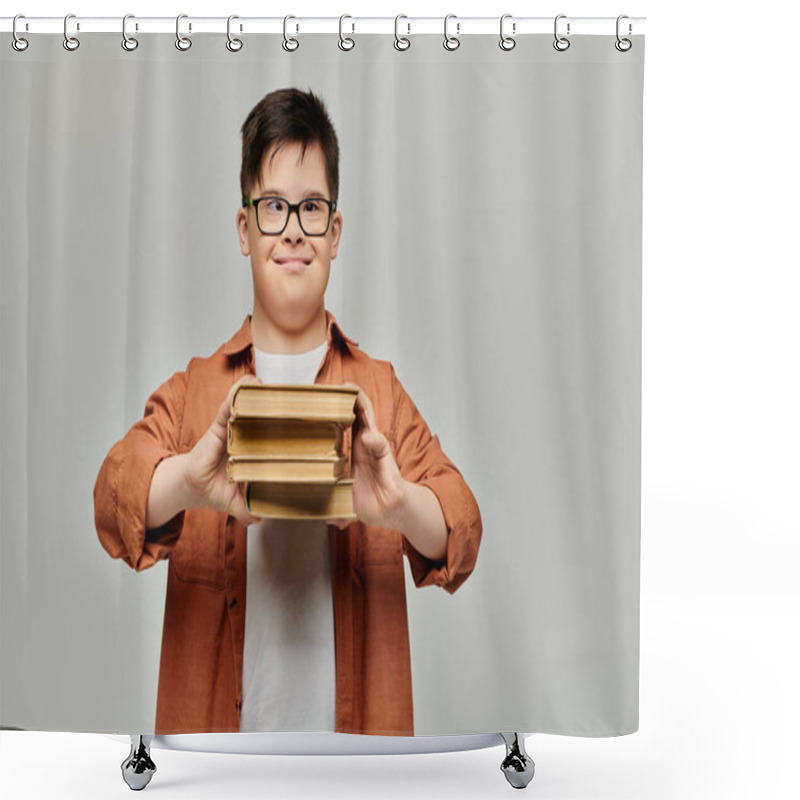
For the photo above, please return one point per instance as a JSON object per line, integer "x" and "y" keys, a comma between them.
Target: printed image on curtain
{"x": 316, "y": 611}
{"x": 321, "y": 378}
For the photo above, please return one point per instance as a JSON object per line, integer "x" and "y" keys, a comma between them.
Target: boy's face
{"x": 290, "y": 269}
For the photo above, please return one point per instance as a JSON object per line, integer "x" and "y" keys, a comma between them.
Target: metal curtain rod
{"x": 459, "y": 26}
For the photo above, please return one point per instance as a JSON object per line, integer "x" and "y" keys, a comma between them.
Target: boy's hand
{"x": 379, "y": 489}
{"x": 206, "y": 466}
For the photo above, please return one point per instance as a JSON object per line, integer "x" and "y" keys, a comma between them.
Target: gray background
{"x": 501, "y": 275}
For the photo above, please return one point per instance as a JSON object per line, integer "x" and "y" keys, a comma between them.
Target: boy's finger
{"x": 225, "y": 409}
{"x": 364, "y": 404}
{"x": 240, "y": 509}
{"x": 377, "y": 443}
{"x": 359, "y": 405}
{"x": 370, "y": 411}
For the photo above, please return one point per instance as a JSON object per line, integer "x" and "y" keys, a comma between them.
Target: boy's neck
{"x": 272, "y": 338}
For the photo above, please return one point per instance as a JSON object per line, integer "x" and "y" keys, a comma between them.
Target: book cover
{"x": 282, "y": 469}
{"x": 287, "y": 401}
{"x": 287, "y": 437}
{"x": 301, "y": 501}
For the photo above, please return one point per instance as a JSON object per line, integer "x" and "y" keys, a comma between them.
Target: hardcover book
{"x": 287, "y": 401}
{"x": 302, "y": 501}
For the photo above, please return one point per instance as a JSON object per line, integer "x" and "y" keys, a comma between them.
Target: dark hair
{"x": 288, "y": 116}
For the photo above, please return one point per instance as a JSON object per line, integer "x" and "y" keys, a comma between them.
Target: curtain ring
{"x": 129, "y": 43}
{"x": 233, "y": 44}
{"x": 561, "y": 43}
{"x": 400, "y": 42}
{"x": 507, "y": 42}
{"x": 451, "y": 42}
{"x": 182, "y": 42}
{"x": 623, "y": 45}
{"x": 289, "y": 44}
{"x": 70, "y": 42}
{"x": 18, "y": 43}
{"x": 345, "y": 42}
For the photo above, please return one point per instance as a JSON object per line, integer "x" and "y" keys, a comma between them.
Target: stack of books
{"x": 286, "y": 443}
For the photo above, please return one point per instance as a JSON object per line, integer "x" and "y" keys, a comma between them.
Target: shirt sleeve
{"x": 421, "y": 460}
{"x": 122, "y": 487}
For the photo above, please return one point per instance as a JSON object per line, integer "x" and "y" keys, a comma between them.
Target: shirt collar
{"x": 243, "y": 338}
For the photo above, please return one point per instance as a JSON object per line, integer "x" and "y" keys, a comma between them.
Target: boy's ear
{"x": 241, "y": 228}
{"x": 336, "y": 232}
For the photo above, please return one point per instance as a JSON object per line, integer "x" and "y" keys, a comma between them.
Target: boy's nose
{"x": 293, "y": 231}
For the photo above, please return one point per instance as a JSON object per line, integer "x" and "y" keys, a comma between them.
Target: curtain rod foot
{"x": 518, "y": 766}
{"x": 138, "y": 768}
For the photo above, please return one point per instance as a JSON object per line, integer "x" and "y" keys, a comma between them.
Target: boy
{"x": 283, "y": 624}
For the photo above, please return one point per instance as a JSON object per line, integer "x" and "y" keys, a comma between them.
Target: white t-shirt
{"x": 289, "y": 670}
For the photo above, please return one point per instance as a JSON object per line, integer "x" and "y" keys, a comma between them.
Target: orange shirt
{"x": 200, "y": 677}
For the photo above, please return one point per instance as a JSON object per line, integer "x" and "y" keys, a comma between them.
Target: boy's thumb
{"x": 239, "y": 509}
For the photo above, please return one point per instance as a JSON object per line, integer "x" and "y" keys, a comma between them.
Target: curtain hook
{"x": 18, "y": 43}
{"x": 70, "y": 42}
{"x": 507, "y": 42}
{"x": 561, "y": 43}
{"x": 129, "y": 43}
{"x": 623, "y": 45}
{"x": 233, "y": 44}
{"x": 345, "y": 42}
{"x": 182, "y": 42}
{"x": 400, "y": 42}
{"x": 290, "y": 44}
{"x": 451, "y": 42}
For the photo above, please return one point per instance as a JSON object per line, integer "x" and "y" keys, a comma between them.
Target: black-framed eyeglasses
{"x": 272, "y": 214}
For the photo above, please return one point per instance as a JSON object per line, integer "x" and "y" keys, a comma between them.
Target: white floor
{"x": 719, "y": 706}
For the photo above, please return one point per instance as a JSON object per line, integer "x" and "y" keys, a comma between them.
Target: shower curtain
{"x": 490, "y": 253}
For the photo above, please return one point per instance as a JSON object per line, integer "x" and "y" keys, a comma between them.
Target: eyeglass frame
{"x": 293, "y": 207}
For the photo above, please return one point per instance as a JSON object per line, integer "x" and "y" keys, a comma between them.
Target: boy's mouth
{"x": 293, "y": 263}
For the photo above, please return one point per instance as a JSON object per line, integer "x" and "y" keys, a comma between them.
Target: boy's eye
{"x": 274, "y": 205}
{"x": 311, "y": 206}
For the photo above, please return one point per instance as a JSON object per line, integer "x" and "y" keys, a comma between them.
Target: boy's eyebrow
{"x": 271, "y": 192}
